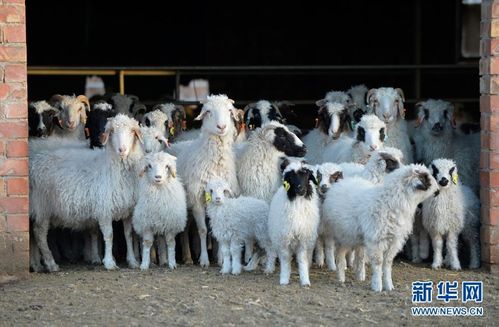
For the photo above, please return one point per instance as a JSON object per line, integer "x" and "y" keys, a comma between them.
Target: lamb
{"x": 388, "y": 104}
{"x": 436, "y": 139}
{"x": 294, "y": 219}
{"x": 453, "y": 210}
{"x": 42, "y": 119}
{"x": 369, "y": 136}
{"x": 380, "y": 164}
{"x": 333, "y": 121}
{"x": 161, "y": 205}
{"x": 235, "y": 220}
{"x": 153, "y": 139}
{"x": 210, "y": 155}
{"x": 381, "y": 222}
{"x": 72, "y": 112}
{"x": 77, "y": 188}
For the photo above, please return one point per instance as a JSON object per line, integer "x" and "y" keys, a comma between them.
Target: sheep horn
{"x": 369, "y": 94}
{"x": 84, "y": 100}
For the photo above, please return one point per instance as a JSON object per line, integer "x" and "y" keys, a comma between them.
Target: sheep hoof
{"x": 416, "y": 260}
{"x": 53, "y": 267}
{"x": 376, "y": 288}
{"x": 474, "y": 265}
{"x": 456, "y": 267}
{"x": 133, "y": 264}
{"x": 144, "y": 267}
{"x": 204, "y": 262}
{"x": 172, "y": 265}
{"x": 305, "y": 284}
{"x": 436, "y": 266}
{"x": 224, "y": 271}
{"x": 110, "y": 264}
{"x": 284, "y": 282}
{"x": 188, "y": 261}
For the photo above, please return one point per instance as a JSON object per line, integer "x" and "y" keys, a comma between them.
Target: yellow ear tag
{"x": 286, "y": 185}
{"x": 207, "y": 196}
{"x": 172, "y": 130}
{"x": 454, "y": 178}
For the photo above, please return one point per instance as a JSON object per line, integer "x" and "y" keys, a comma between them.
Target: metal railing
{"x": 178, "y": 71}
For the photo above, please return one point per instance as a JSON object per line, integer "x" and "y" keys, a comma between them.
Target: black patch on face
{"x": 434, "y": 171}
{"x": 445, "y": 114}
{"x": 33, "y": 121}
{"x": 285, "y": 142}
{"x": 382, "y": 134}
{"x": 299, "y": 183}
{"x": 274, "y": 114}
{"x": 361, "y": 134}
{"x": 390, "y": 162}
{"x": 96, "y": 124}
{"x": 451, "y": 171}
{"x": 425, "y": 182}
{"x": 284, "y": 163}
{"x": 345, "y": 121}
{"x": 147, "y": 122}
{"x": 334, "y": 178}
{"x": 49, "y": 118}
{"x": 256, "y": 120}
{"x": 426, "y": 114}
{"x": 324, "y": 120}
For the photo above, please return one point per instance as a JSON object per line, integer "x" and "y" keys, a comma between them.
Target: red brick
{"x": 494, "y": 179}
{"x": 13, "y": 129}
{"x": 2, "y": 187}
{"x": 17, "y": 149}
{"x": 489, "y": 234}
{"x": 12, "y": 53}
{"x": 484, "y": 158}
{"x": 488, "y": 255}
{"x": 14, "y": 1}
{"x": 17, "y": 186}
{"x": 494, "y": 160}
{"x": 18, "y": 223}
{"x": 485, "y": 28}
{"x": 490, "y": 216}
{"x": 494, "y": 141}
{"x": 15, "y": 73}
{"x": 489, "y": 103}
{"x": 3, "y": 224}
{"x": 484, "y": 65}
{"x": 4, "y": 91}
{"x": 14, "y": 33}
{"x": 14, "y": 205}
{"x": 18, "y": 91}
{"x": 11, "y": 14}
{"x": 15, "y": 110}
{"x": 484, "y": 179}
{"x": 2, "y": 148}
{"x": 14, "y": 167}
{"x": 485, "y": 84}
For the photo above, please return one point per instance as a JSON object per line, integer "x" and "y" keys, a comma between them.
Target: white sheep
{"x": 161, "y": 205}
{"x": 72, "y": 113}
{"x": 210, "y": 155}
{"x": 234, "y": 221}
{"x": 388, "y": 104}
{"x": 435, "y": 138}
{"x": 453, "y": 210}
{"x": 369, "y": 136}
{"x": 76, "y": 188}
{"x": 377, "y": 217}
{"x": 157, "y": 119}
{"x": 333, "y": 121}
{"x": 153, "y": 139}
{"x": 294, "y": 219}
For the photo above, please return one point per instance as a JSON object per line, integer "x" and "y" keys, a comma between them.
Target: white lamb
{"x": 234, "y": 221}
{"x": 161, "y": 205}
{"x": 377, "y": 217}
{"x": 453, "y": 210}
{"x": 154, "y": 139}
{"x": 369, "y": 136}
{"x": 435, "y": 138}
{"x": 294, "y": 219}
{"x": 210, "y": 155}
{"x": 388, "y": 104}
{"x": 77, "y": 188}
{"x": 157, "y": 119}
{"x": 333, "y": 122}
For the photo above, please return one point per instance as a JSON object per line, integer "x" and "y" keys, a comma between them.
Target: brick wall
{"x": 14, "y": 220}
{"x": 489, "y": 108}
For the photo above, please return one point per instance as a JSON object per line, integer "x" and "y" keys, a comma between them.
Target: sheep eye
{"x": 445, "y": 114}
{"x": 149, "y": 166}
{"x": 426, "y": 114}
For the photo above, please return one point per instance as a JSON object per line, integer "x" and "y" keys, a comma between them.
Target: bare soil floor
{"x": 85, "y": 295}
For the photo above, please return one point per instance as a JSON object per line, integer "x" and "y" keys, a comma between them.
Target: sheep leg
{"x": 388, "y": 257}
{"x": 136, "y": 245}
{"x": 235, "y": 253}
{"x": 147, "y": 241}
{"x": 106, "y": 228}
{"x": 248, "y": 249}
{"x": 376, "y": 259}
{"x": 35, "y": 259}
{"x": 254, "y": 261}
{"x": 330, "y": 249}
{"x": 270, "y": 264}
{"x": 186, "y": 248}
{"x": 285, "y": 261}
{"x": 359, "y": 264}
{"x": 437, "y": 243}
{"x": 414, "y": 242}
{"x": 95, "y": 258}
{"x": 302, "y": 259}
{"x": 350, "y": 258}
{"x": 160, "y": 240}
{"x": 452, "y": 240}
{"x": 199, "y": 216}
{"x": 473, "y": 241}
{"x": 319, "y": 252}
{"x": 224, "y": 245}
{"x": 40, "y": 230}
{"x": 342, "y": 263}
{"x": 130, "y": 254}
{"x": 424, "y": 244}
{"x": 170, "y": 241}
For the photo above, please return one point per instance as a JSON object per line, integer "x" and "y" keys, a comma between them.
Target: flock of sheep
{"x": 353, "y": 189}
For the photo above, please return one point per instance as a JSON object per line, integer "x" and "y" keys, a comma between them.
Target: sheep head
{"x": 435, "y": 117}
{"x": 216, "y": 114}
{"x": 334, "y": 119}
{"x": 387, "y": 103}
{"x": 72, "y": 109}
{"x": 123, "y": 132}
{"x": 216, "y": 191}
{"x": 298, "y": 179}
{"x": 283, "y": 139}
{"x": 160, "y": 167}
{"x": 370, "y": 133}
{"x": 445, "y": 172}
{"x": 153, "y": 139}
{"x": 42, "y": 118}
{"x": 327, "y": 174}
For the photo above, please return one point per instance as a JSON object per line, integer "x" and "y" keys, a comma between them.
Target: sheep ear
{"x": 419, "y": 108}
{"x": 336, "y": 177}
{"x": 172, "y": 171}
{"x": 142, "y": 171}
{"x": 83, "y": 99}
{"x": 452, "y": 117}
{"x": 164, "y": 140}
{"x": 138, "y": 135}
{"x": 311, "y": 177}
{"x": 228, "y": 193}
{"x": 321, "y": 103}
{"x": 201, "y": 115}
{"x": 284, "y": 163}
{"x": 234, "y": 114}
{"x": 104, "y": 137}
{"x": 401, "y": 102}
{"x": 369, "y": 95}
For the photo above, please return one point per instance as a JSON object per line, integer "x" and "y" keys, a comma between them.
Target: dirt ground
{"x": 90, "y": 296}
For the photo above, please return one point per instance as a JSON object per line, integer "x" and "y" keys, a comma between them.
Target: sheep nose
{"x": 157, "y": 176}
{"x": 373, "y": 147}
{"x": 444, "y": 181}
{"x": 324, "y": 188}
{"x": 71, "y": 124}
{"x": 218, "y": 199}
{"x": 122, "y": 149}
{"x": 437, "y": 127}
{"x": 148, "y": 151}
{"x": 221, "y": 127}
